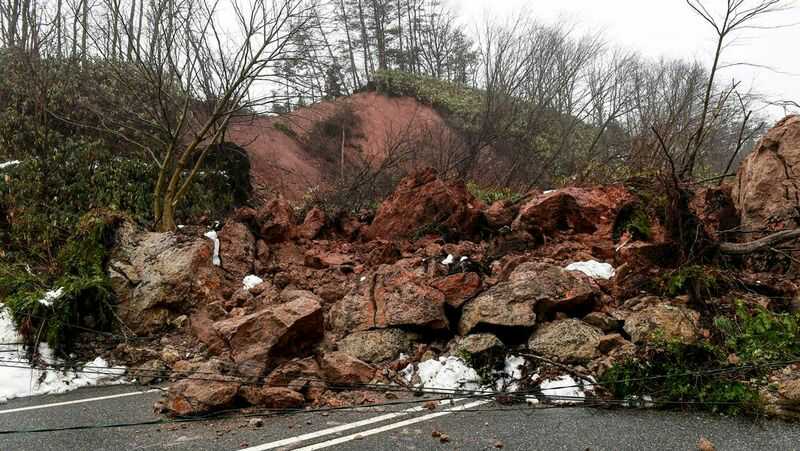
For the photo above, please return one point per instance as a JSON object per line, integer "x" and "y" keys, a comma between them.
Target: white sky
{"x": 669, "y": 28}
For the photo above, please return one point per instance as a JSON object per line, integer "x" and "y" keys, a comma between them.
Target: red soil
{"x": 283, "y": 165}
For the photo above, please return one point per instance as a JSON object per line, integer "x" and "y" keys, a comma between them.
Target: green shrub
{"x": 704, "y": 374}
{"x": 491, "y": 195}
{"x": 85, "y": 299}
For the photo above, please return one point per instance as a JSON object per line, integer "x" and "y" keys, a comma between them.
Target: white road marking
{"x": 389, "y": 427}
{"x": 345, "y": 427}
{"x": 76, "y": 401}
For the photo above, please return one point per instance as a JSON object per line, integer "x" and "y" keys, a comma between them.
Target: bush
{"x": 84, "y": 296}
{"x": 723, "y": 374}
{"x": 491, "y": 195}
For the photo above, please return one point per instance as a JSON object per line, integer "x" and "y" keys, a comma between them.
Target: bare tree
{"x": 198, "y": 68}
{"x": 738, "y": 14}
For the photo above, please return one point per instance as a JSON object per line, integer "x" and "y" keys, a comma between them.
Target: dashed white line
{"x": 345, "y": 427}
{"x": 76, "y": 401}
{"x": 389, "y": 427}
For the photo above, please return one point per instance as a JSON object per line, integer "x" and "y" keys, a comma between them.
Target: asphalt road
{"x": 468, "y": 425}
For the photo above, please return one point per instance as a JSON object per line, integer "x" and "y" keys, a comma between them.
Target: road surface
{"x": 468, "y": 424}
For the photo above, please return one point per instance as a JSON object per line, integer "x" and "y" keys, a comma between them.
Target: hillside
{"x": 289, "y": 158}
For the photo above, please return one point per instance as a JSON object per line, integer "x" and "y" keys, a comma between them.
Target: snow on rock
{"x": 51, "y": 296}
{"x": 212, "y": 235}
{"x": 252, "y": 281}
{"x": 449, "y": 260}
{"x": 593, "y": 269}
{"x": 563, "y": 390}
{"x": 18, "y": 378}
{"x": 8, "y": 164}
{"x": 508, "y": 379}
{"x": 448, "y": 373}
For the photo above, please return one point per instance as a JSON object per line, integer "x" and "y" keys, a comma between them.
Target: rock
{"x": 659, "y": 319}
{"x": 312, "y": 225}
{"x": 500, "y": 214}
{"x": 275, "y": 220}
{"x": 716, "y": 211}
{"x": 375, "y": 346}
{"x": 155, "y": 275}
{"x": 458, "y": 288}
{"x": 422, "y": 200}
{"x": 237, "y": 250}
{"x": 480, "y": 346}
{"x": 767, "y": 188}
{"x": 567, "y": 341}
{"x": 272, "y": 397}
{"x": 531, "y": 287}
{"x": 781, "y": 397}
{"x": 287, "y": 329}
{"x": 256, "y": 422}
{"x": 341, "y": 368}
{"x": 574, "y": 210}
{"x": 194, "y": 396}
{"x": 263, "y": 257}
{"x": 150, "y": 372}
{"x": 611, "y": 342}
{"x": 322, "y": 260}
{"x": 296, "y": 374}
{"x": 604, "y": 322}
{"x": 705, "y": 445}
{"x": 393, "y": 297}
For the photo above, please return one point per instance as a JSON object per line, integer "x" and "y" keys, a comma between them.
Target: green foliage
{"x": 681, "y": 373}
{"x": 703, "y": 373}
{"x": 635, "y": 221}
{"x": 683, "y": 279}
{"x": 85, "y": 298}
{"x": 492, "y": 195}
{"x": 760, "y": 336}
{"x": 449, "y": 97}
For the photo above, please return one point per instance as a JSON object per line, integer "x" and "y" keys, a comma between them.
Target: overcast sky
{"x": 669, "y": 28}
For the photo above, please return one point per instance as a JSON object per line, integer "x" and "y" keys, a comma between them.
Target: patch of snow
{"x": 449, "y": 260}
{"x": 212, "y": 235}
{"x": 51, "y": 296}
{"x": 593, "y": 269}
{"x": 19, "y": 378}
{"x": 181, "y": 226}
{"x": 408, "y": 373}
{"x": 448, "y": 373}
{"x": 509, "y": 378}
{"x": 549, "y": 191}
{"x": 8, "y": 164}
{"x": 252, "y": 281}
{"x": 465, "y": 258}
{"x": 563, "y": 390}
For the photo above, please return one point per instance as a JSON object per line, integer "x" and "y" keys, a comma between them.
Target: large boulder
{"x": 380, "y": 345}
{"x": 767, "y": 187}
{"x": 201, "y": 395}
{"x": 275, "y": 220}
{"x": 157, "y": 276}
{"x": 458, "y": 288}
{"x": 567, "y": 341}
{"x": 781, "y": 397}
{"x": 341, "y": 368}
{"x": 716, "y": 211}
{"x": 272, "y": 397}
{"x": 393, "y": 297}
{"x": 573, "y": 210}
{"x": 532, "y": 287}
{"x": 423, "y": 201}
{"x": 257, "y": 340}
{"x": 658, "y": 319}
{"x": 237, "y": 250}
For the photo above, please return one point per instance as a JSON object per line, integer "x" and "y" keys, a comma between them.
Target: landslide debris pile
{"x": 324, "y": 309}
